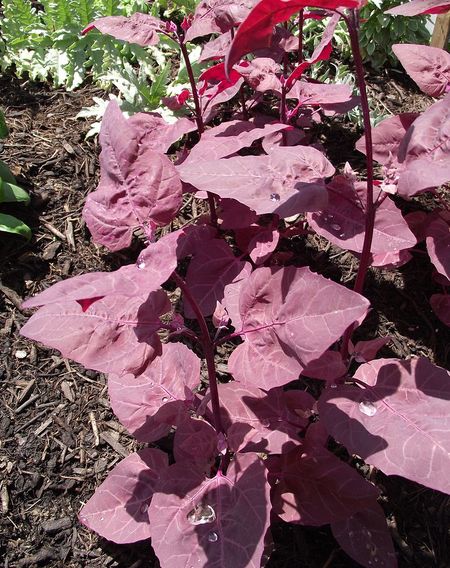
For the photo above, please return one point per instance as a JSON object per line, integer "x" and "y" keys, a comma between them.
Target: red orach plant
{"x": 255, "y": 449}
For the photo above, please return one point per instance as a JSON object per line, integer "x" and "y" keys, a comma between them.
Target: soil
{"x": 58, "y": 435}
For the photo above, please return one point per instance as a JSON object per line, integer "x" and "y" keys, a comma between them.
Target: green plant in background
{"x": 45, "y": 41}
{"x": 10, "y": 192}
{"x": 379, "y": 31}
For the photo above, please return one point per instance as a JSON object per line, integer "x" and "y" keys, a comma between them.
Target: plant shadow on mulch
{"x": 58, "y": 435}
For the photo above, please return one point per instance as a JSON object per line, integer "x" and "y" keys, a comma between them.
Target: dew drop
{"x": 367, "y": 408}
{"x": 164, "y": 399}
{"x": 275, "y": 197}
{"x": 265, "y": 423}
{"x": 102, "y": 518}
{"x": 336, "y": 227}
{"x": 213, "y": 537}
{"x": 201, "y": 515}
{"x": 144, "y": 508}
{"x": 141, "y": 264}
{"x": 333, "y": 386}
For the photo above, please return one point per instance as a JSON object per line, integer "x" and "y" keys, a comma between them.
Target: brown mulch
{"x": 58, "y": 436}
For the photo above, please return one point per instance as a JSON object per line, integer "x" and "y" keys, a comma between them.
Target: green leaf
{"x": 10, "y": 224}
{"x": 5, "y": 173}
{"x": 3, "y": 127}
{"x": 11, "y": 193}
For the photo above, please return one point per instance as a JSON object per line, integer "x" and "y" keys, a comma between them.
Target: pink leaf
{"x": 424, "y": 151}
{"x": 138, "y": 28}
{"x": 215, "y": 48}
{"x": 195, "y": 442}
{"x": 438, "y": 245}
{"x": 440, "y": 304}
{"x": 416, "y": 7}
{"x": 399, "y": 423}
{"x": 320, "y": 93}
{"x": 217, "y": 16}
{"x": 365, "y": 351}
{"x": 428, "y": 66}
{"x": 390, "y": 260}
{"x": 118, "y": 510}
{"x": 316, "y": 487}
{"x": 263, "y": 422}
{"x": 365, "y": 537}
{"x": 328, "y": 367}
{"x": 263, "y": 244}
{"x": 290, "y": 316}
{"x": 218, "y": 522}
{"x": 256, "y": 30}
{"x": 152, "y": 131}
{"x": 138, "y": 401}
{"x": 138, "y": 187}
{"x": 343, "y": 221}
{"x": 387, "y": 137}
{"x": 262, "y": 74}
{"x": 227, "y": 139}
{"x": 209, "y": 272}
{"x": 114, "y": 335}
{"x": 287, "y": 182}
{"x": 232, "y": 294}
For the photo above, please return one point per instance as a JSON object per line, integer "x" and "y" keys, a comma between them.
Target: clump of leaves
{"x": 10, "y": 192}
{"x": 255, "y": 450}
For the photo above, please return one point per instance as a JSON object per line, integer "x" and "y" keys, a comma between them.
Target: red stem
{"x": 198, "y": 119}
{"x": 301, "y": 21}
{"x": 352, "y": 24}
{"x": 208, "y": 350}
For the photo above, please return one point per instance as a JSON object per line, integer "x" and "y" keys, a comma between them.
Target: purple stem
{"x": 208, "y": 350}
{"x": 352, "y": 24}
{"x": 198, "y": 118}
{"x": 301, "y": 21}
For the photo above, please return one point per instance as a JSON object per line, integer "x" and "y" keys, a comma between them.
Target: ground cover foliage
{"x": 257, "y": 447}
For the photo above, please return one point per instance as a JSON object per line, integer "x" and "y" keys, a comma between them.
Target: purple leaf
{"x": 215, "y": 48}
{"x": 365, "y": 351}
{"x": 219, "y": 522}
{"x": 118, "y": 510}
{"x": 262, "y": 74}
{"x": 217, "y": 16}
{"x": 328, "y": 367}
{"x": 138, "y": 401}
{"x": 416, "y": 7}
{"x": 227, "y": 139}
{"x": 365, "y": 537}
{"x": 400, "y": 422}
{"x": 138, "y": 28}
{"x": 390, "y": 260}
{"x": 195, "y": 442}
{"x": 152, "y": 131}
{"x": 232, "y": 294}
{"x": 438, "y": 245}
{"x": 210, "y": 271}
{"x": 316, "y": 487}
{"x": 387, "y": 137}
{"x": 316, "y": 94}
{"x": 138, "y": 187}
{"x": 270, "y": 419}
{"x": 116, "y": 334}
{"x": 287, "y": 182}
{"x": 428, "y": 66}
{"x": 343, "y": 221}
{"x": 290, "y": 316}
{"x": 235, "y": 215}
{"x": 440, "y": 304}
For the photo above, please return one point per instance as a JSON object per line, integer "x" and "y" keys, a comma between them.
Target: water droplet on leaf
{"x": 265, "y": 423}
{"x": 141, "y": 264}
{"x": 275, "y": 197}
{"x": 201, "y": 515}
{"x": 336, "y": 227}
{"x": 367, "y": 407}
{"x": 213, "y": 537}
{"x": 164, "y": 399}
{"x": 144, "y": 508}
